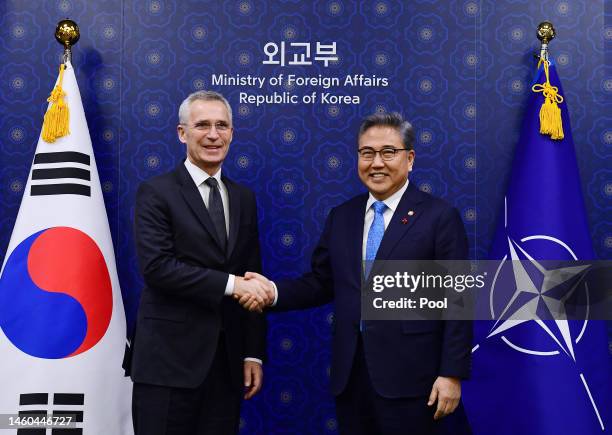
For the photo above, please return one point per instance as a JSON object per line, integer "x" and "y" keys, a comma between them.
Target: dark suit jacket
{"x": 403, "y": 357}
{"x": 183, "y": 308}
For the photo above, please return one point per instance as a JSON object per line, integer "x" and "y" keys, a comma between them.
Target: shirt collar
{"x": 199, "y": 175}
{"x": 391, "y": 202}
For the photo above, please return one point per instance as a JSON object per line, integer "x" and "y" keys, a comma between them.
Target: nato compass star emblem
{"x": 539, "y": 298}
{"x": 538, "y": 294}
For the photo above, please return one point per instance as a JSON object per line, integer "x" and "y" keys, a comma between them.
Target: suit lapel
{"x": 401, "y": 222}
{"x": 355, "y": 230}
{"x": 234, "y": 214}
{"x": 192, "y": 197}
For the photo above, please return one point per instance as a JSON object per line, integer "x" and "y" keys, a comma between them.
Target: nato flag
{"x": 541, "y": 376}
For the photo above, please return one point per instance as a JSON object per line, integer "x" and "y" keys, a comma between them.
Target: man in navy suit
{"x": 388, "y": 377}
{"x": 195, "y": 349}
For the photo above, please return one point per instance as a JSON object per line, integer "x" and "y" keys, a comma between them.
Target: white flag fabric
{"x": 61, "y": 312}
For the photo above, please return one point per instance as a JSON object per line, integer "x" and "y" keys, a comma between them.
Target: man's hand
{"x": 254, "y": 293}
{"x": 253, "y": 378}
{"x": 251, "y": 303}
{"x": 447, "y": 391}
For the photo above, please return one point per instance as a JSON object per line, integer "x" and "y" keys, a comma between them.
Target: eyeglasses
{"x": 205, "y": 127}
{"x": 369, "y": 154}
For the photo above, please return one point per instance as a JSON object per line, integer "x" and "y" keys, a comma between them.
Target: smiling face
{"x": 206, "y": 147}
{"x": 384, "y": 177}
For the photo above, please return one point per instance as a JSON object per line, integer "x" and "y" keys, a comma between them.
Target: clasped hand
{"x": 254, "y": 292}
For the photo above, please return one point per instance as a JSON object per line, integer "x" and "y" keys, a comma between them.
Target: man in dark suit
{"x": 386, "y": 375}
{"x": 195, "y": 349}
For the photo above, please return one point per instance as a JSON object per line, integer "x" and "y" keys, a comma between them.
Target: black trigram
{"x": 37, "y": 405}
{"x": 50, "y": 167}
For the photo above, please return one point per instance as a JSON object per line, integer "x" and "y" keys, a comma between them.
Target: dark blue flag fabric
{"x": 541, "y": 376}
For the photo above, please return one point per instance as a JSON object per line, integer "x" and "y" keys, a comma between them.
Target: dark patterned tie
{"x": 215, "y": 209}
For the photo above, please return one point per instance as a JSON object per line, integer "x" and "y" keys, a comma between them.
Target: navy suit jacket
{"x": 403, "y": 357}
{"x": 183, "y": 308}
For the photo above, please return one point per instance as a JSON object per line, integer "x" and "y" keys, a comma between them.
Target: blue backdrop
{"x": 459, "y": 70}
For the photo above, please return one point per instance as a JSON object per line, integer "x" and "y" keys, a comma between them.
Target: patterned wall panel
{"x": 459, "y": 70}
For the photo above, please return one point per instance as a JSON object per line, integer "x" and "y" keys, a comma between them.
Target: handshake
{"x": 254, "y": 291}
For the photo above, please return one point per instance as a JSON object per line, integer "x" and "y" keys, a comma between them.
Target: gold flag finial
{"x": 67, "y": 33}
{"x": 546, "y": 32}
{"x": 550, "y": 113}
{"x": 56, "y": 122}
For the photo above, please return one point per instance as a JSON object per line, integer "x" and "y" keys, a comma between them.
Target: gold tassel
{"x": 550, "y": 113}
{"x": 56, "y": 122}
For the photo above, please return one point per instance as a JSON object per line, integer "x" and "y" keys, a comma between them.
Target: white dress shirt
{"x": 392, "y": 202}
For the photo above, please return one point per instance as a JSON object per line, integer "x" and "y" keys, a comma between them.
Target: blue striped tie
{"x": 375, "y": 235}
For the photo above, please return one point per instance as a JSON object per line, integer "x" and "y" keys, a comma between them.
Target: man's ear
{"x": 411, "y": 156}
{"x": 180, "y": 131}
